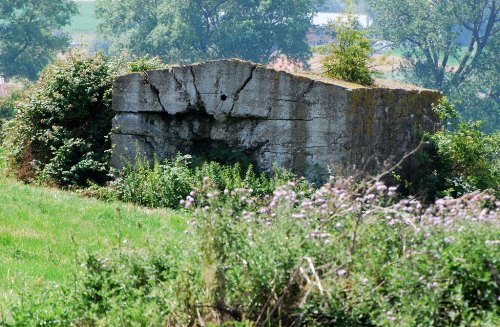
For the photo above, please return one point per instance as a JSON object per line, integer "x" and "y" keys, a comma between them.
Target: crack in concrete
{"x": 154, "y": 89}
{"x": 245, "y": 83}
{"x": 177, "y": 81}
{"x": 242, "y": 87}
{"x": 198, "y": 94}
{"x": 182, "y": 87}
{"x": 306, "y": 91}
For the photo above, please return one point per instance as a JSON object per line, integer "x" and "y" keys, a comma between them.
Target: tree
{"x": 30, "y": 34}
{"x": 449, "y": 45}
{"x": 190, "y": 30}
{"x": 348, "y": 56}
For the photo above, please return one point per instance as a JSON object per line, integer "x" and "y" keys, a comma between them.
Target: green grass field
{"x": 85, "y": 21}
{"x": 42, "y": 230}
{"x": 84, "y": 25}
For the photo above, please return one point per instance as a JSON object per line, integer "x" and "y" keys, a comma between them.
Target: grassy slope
{"x": 37, "y": 226}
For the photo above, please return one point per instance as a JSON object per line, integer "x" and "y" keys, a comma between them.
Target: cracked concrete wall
{"x": 305, "y": 123}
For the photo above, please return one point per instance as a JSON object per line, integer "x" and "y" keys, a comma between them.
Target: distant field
{"x": 84, "y": 25}
{"x": 38, "y": 226}
{"x": 84, "y": 21}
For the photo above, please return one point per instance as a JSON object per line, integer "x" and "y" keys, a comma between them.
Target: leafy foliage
{"x": 192, "y": 30}
{"x": 28, "y": 37}
{"x": 350, "y": 254}
{"x": 144, "y": 63}
{"x": 59, "y": 133}
{"x": 459, "y": 159}
{"x": 8, "y": 106}
{"x": 165, "y": 184}
{"x": 347, "y": 58}
{"x": 449, "y": 45}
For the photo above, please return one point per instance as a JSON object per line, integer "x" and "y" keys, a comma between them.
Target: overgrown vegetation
{"x": 460, "y": 158}
{"x": 8, "y": 108}
{"x": 257, "y": 250}
{"x": 165, "y": 184}
{"x": 7, "y": 105}
{"x": 59, "y": 133}
{"x": 349, "y": 255}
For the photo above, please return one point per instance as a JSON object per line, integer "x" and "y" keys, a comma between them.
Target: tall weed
{"x": 165, "y": 184}
{"x": 349, "y": 254}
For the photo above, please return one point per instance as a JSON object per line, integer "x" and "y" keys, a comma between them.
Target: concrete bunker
{"x": 306, "y": 123}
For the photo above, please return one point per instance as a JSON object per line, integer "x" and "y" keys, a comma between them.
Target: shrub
{"x": 59, "y": 133}
{"x": 460, "y": 158}
{"x": 7, "y": 105}
{"x": 347, "y": 58}
{"x": 140, "y": 64}
{"x": 350, "y": 254}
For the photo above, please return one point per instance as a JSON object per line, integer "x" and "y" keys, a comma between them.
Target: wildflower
{"x": 369, "y": 197}
{"x": 392, "y": 190}
{"x": 188, "y": 202}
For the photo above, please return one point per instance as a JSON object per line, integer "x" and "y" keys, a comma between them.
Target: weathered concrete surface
{"x": 305, "y": 123}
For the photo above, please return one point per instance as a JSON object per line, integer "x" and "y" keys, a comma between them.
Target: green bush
{"x": 460, "y": 158}
{"x": 59, "y": 133}
{"x": 140, "y": 64}
{"x": 347, "y": 58}
{"x": 7, "y": 105}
